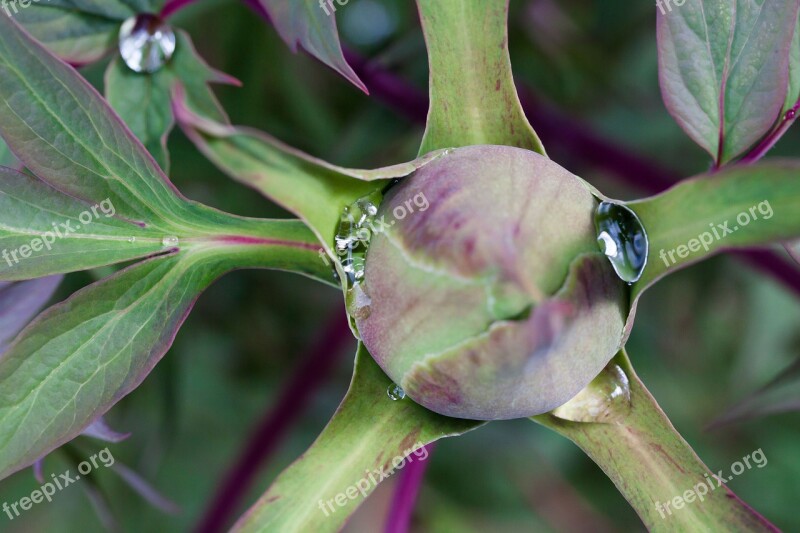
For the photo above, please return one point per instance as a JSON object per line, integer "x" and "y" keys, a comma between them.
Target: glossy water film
{"x": 146, "y": 43}
{"x": 606, "y": 399}
{"x": 623, "y": 239}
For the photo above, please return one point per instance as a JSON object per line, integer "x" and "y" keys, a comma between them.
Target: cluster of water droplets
{"x": 146, "y": 43}
{"x": 623, "y": 239}
{"x": 606, "y": 399}
{"x": 356, "y": 226}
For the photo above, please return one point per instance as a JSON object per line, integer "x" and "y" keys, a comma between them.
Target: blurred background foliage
{"x": 704, "y": 338}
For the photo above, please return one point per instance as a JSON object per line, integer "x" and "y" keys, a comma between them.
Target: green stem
{"x": 651, "y": 464}
{"x": 473, "y": 99}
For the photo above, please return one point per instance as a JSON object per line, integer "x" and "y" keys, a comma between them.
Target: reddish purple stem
{"x": 772, "y": 139}
{"x": 773, "y": 265}
{"x": 405, "y": 495}
{"x": 172, "y": 6}
{"x": 291, "y": 403}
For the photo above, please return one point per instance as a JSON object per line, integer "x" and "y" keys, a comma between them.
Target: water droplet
{"x": 345, "y": 241}
{"x": 132, "y": 240}
{"x": 606, "y": 399}
{"x": 623, "y": 239}
{"x": 395, "y": 392}
{"x": 146, "y": 43}
{"x": 358, "y": 301}
{"x": 790, "y": 114}
{"x": 354, "y": 267}
{"x": 170, "y": 241}
{"x": 353, "y": 235}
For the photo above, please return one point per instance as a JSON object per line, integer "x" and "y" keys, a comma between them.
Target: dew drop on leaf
{"x": 606, "y": 399}
{"x": 131, "y": 240}
{"x": 395, "y": 392}
{"x": 623, "y": 239}
{"x": 146, "y": 43}
{"x": 170, "y": 241}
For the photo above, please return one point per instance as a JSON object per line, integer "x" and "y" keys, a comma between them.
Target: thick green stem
{"x": 656, "y": 470}
{"x": 473, "y": 99}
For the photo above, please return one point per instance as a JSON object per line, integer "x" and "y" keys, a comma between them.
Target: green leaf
{"x": 41, "y": 232}
{"x": 311, "y": 25}
{"x": 650, "y": 463}
{"x": 78, "y": 358}
{"x": 367, "y": 433}
{"x": 77, "y": 31}
{"x": 65, "y": 133}
{"x": 144, "y": 101}
{"x": 472, "y": 93}
{"x": 723, "y": 68}
{"x": 739, "y": 207}
{"x": 311, "y": 188}
{"x": 71, "y": 139}
{"x": 76, "y": 37}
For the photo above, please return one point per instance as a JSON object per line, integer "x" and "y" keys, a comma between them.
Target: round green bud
{"x": 489, "y": 298}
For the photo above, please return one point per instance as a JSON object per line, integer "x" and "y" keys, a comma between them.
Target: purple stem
{"x": 405, "y": 495}
{"x": 256, "y": 6}
{"x": 390, "y": 89}
{"x": 772, "y": 139}
{"x": 172, "y": 6}
{"x": 773, "y": 265}
{"x": 279, "y": 418}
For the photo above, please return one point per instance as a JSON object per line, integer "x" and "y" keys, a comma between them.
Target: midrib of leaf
{"x": 723, "y": 82}
{"x": 60, "y": 216}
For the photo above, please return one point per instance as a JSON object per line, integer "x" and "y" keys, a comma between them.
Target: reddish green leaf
{"x": 723, "y": 68}
{"x": 312, "y": 26}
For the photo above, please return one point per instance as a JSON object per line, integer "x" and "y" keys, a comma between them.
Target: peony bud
{"x": 489, "y": 299}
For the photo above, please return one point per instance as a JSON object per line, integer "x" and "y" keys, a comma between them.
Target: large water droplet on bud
{"x": 146, "y": 43}
{"x": 623, "y": 239}
{"x": 606, "y": 399}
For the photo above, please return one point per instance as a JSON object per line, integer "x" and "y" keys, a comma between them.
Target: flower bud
{"x": 489, "y": 297}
